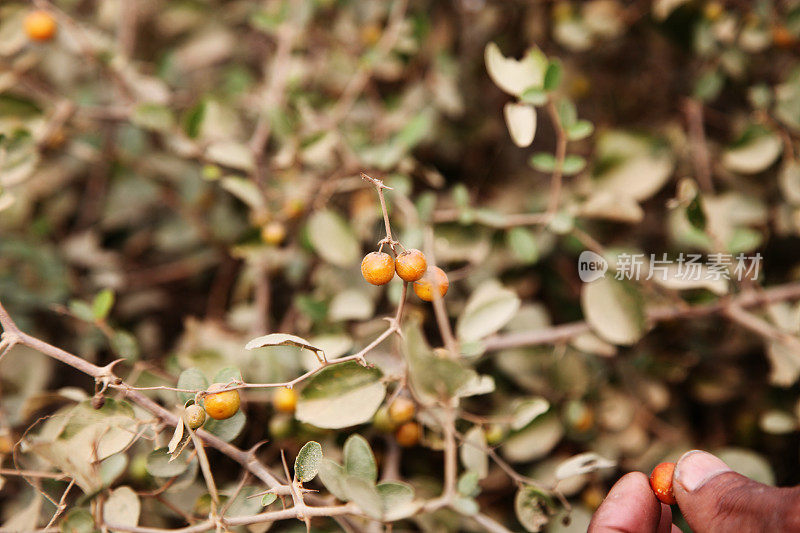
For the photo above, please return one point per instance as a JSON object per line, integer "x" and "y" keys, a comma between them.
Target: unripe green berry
{"x": 195, "y": 416}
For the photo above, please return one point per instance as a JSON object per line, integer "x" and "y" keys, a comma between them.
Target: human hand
{"x": 711, "y": 496}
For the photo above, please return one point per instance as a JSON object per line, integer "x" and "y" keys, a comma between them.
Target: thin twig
{"x": 564, "y": 332}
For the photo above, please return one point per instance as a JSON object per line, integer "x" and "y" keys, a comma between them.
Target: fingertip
{"x": 629, "y": 506}
{"x": 695, "y": 468}
{"x": 665, "y": 522}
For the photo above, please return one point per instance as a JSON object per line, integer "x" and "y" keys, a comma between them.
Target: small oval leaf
{"x": 306, "y": 464}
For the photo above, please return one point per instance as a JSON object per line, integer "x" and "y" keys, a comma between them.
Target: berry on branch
{"x": 221, "y": 405}
{"x": 377, "y": 268}
{"x": 285, "y": 400}
{"x": 408, "y": 434}
{"x": 195, "y": 416}
{"x": 434, "y": 277}
{"x": 410, "y": 265}
{"x": 402, "y": 410}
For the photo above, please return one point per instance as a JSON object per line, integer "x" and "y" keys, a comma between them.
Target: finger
{"x": 712, "y": 497}
{"x": 630, "y": 507}
{"x": 665, "y": 523}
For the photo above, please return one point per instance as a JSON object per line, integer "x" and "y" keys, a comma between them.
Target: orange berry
{"x": 661, "y": 482}
{"x": 410, "y": 265}
{"x": 377, "y": 268}
{"x": 195, "y": 416}
{"x": 40, "y": 25}
{"x": 434, "y": 276}
{"x": 285, "y": 400}
{"x": 221, "y": 405}
{"x": 402, "y": 410}
{"x": 408, "y": 434}
{"x": 782, "y": 37}
{"x": 273, "y": 233}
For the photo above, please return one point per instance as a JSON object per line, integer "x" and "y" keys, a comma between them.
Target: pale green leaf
{"x": 306, "y": 464}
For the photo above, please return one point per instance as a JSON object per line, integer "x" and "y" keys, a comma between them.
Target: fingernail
{"x": 696, "y": 467}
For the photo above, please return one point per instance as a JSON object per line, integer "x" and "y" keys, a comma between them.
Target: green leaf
{"x": 567, "y": 113}
{"x": 522, "y": 243}
{"x": 580, "y": 130}
{"x": 193, "y": 120}
{"x": 124, "y": 344}
{"x": 614, "y": 309}
{"x": 755, "y": 155}
{"x": 102, "y": 304}
{"x": 193, "y": 379}
{"x": 466, "y": 506}
{"x": 77, "y": 520}
{"x": 515, "y": 76}
{"x": 432, "y": 376}
{"x": 306, "y": 464}
{"x": 332, "y": 476}
{"x": 333, "y": 239}
{"x": 573, "y": 164}
{"x": 81, "y": 310}
{"x": 468, "y": 484}
{"x": 534, "y": 96}
{"x": 488, "y": 309}
{"x": 244, "y": 504}
{"x": 359, "y": 460}
{"x": 154, "y": 117}
{"x": 583, "y": 463}
{"x": 526, "y": 411}
{"x": 231, "y": 154}
{"x": 394, "y": 493}
{"x": 227, "y": 429}
{"x": 227, "y": 375}
{"x": 268, "y": 499}
{"x": 535, "y": 441}
{"x": 696, "y": 214}
{"x": 365, "y": 495}
{"x": 552, "y": 76}
{"x": 112, "y": 467}
{"x": 341, "y": 395}
{"x": 282, "y": 339}
{"x": 473, "y": 452}
{"x": 521, "y": 122}
{"x": 543, "y": 162}
{"x": 398, "y": 500}
{"x": 709, "y": 85}
{"x": 533, "y": 508}
{"x": 122, "y": 508}
{"x": 160, "y": 465}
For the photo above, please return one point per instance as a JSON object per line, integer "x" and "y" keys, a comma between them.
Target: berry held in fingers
{"x": 434, "y": 279}
{"x": 410, "y": 265}
{"x": 221, "y": 405}
{"x": 661, "y": 482}
{"x": 377, "y": 268}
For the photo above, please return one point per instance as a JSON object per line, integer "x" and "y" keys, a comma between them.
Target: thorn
{"x": 252, "y": 451}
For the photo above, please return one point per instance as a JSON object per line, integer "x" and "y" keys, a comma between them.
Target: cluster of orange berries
{"x": 378, "y": 268}
{"x": 225, "y": 403}
{"x": 398, "y": 418}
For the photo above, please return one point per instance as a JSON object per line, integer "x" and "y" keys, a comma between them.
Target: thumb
{"x": 714, "y": 498}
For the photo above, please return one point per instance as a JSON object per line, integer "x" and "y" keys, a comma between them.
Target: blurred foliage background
{"x": 177, "y": 177}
